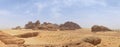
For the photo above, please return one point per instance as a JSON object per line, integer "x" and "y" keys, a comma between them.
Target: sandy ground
{"x": 109, "y": 39}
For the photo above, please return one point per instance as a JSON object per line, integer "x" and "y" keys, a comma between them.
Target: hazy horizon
{"x": 84, "y": 12}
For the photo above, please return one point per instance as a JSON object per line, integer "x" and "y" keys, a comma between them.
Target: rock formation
{"x": 69, "y": 26}
{"x": 37, "y": 25}
{"x": 92, "y": 40}
{"x": 31, "y": 25}
{"x": 17, "y": 28}
{"x": 49, "y": 26}
{"x": 78, "y": 44}
{"x": 97, "y": 28}
{"x": 9, "y": 39}
{"x": 27, "y": 35}
{"x": 2, "y": 44}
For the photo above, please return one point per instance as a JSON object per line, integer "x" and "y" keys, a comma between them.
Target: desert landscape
{"x": 59, "y": 23}
{"x": 61, "y": 38}
{"x": 69, "y": 35}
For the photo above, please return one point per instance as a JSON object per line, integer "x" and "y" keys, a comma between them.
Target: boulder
{"x": 92, "y": 40}
{"x": 78, "y": 44}
{"x": 97, "y": 28}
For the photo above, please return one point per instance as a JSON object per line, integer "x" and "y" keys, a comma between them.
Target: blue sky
{"x": 84, "y": 12}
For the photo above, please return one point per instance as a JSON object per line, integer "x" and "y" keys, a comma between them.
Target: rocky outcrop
{"x": 97, "y": 28}
{"x": 17, "y": 28}
{"x": 77, "y": 44}
{"x": 92, "y": 40}
{"x": 31, "y": 25}
{"x": 36, "y": 25}
{"x": 2, "y": 44}
{"x": 49, "y": 26}
{"x": 27, "y": 35}
{"x": 9, "y": 39}
{"x": 69, "y": 26}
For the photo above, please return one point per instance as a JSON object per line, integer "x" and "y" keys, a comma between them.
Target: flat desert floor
{"x": 109, "y": 39}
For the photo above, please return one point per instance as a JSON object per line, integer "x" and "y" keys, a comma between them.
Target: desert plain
{"x": 57, "y": 38}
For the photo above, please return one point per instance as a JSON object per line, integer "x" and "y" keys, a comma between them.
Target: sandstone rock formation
{"x": 96, "y": 28}
{"x": 27, "y": 35}
{"x": 92, "y": 40}
{"x": 78, "y": 44}
{"x": 17, "y": 28}
{"x": 2, "y": 44}
{"x": 37, "y": 25}
{"x": 69, "y": 26}
{"x": 9, "y": 39}
{"x": 85, "y": 45}
{"x": 49, "y": 26}
{"x": 31, "y": 25}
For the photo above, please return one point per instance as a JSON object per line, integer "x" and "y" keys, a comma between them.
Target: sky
{"x": 84, "y": 12}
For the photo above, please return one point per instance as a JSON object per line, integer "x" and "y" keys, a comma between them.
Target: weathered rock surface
{"x": 97, "y": 28}
{"x": 92, "y": 40}
{"x": 49, "y": 26}
{"x": 9, "y": 39}
{"x": 27, "y": 35}
{"x": 69, "y": 26}
{"x": 2, "y": 44}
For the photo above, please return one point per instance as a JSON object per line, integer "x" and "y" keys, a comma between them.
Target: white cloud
{"x": 4, "y": 13}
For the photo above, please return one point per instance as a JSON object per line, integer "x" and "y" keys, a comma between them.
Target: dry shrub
{"x": 97, "y": 28}
{"x": 69, "y": 26}
{"x": 92, "y": 40}
{"x": 27, "y": 35}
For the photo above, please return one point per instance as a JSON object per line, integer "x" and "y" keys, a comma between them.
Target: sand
{"x": 109, "y": 39}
